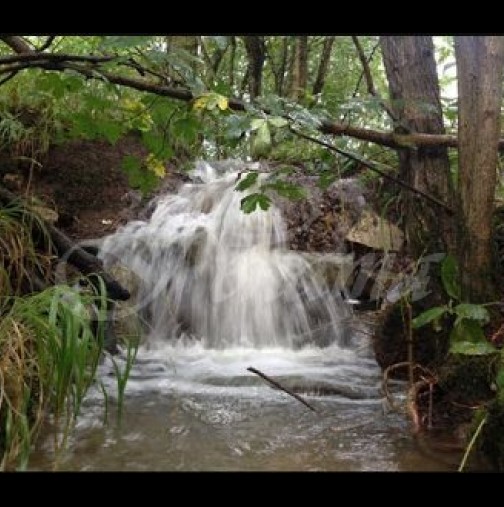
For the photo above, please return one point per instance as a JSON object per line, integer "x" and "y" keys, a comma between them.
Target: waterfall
{"x": 208, "y": 271}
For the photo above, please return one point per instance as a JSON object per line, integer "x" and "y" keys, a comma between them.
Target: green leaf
{"x": 125, "y": 41}
{"x": 326, "y": 179}
{"x": 130, "y": 163}
{"x": 472, "y": 349}
{"x": 499, "y": 379}
{"x": 236, "y": 125}
{"x": 257, "y": 123}
{"x": 83, "y": 125}
{"x": 112, "y": 131}
{"x": 428, "y": 316}
{"x": 186, "y": 128}
{"x": 471, "y": 311}
{"x": 138, "y": 177}
{"x": 157, "y": 144}
{"x": 53, "y": 84}
{"x": 467, "y": 330}
{"x": 210, "y": 101}
{"x": 450, "y": 277}
{"x": 247, "y": 182}
{"x": 278, "y": 122}
{"x": 286, "y": 189}
{"x": 250, "y": 203}
{"x": 261, "y": 142}
{"x": 220, "y": 40}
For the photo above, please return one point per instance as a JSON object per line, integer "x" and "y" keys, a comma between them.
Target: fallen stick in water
{"x": 282, "y": 388}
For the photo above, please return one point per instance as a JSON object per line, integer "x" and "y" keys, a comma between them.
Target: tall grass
{"x": 20, "y": 260}
{"x": 50, "y": 341}
{"x": 49, "y": 353}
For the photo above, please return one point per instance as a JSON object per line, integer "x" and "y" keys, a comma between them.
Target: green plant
{"x": 123, "y": 375}
{"x": 49, "y": 353}
{"x": 467, "y": 336}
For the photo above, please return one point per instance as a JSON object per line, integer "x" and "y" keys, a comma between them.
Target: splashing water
{"x": 210, "y": 271}
{"x": 219, "y": 292}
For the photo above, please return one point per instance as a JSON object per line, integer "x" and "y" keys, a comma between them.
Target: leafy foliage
{"x": 467, "y": 336}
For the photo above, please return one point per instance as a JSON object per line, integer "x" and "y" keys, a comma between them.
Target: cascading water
{"x": 219, "y": 292}
{"x": 209, "y": 271}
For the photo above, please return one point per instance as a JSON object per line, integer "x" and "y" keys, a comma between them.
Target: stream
{"x": 216, "y": 291}
{"x": 189, "y": 409}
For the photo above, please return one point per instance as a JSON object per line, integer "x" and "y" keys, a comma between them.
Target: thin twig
{"x": 8, "y": 77}
{"x": 282, "y": 388}
{"x": 388, "y": 139}
{"x": 53, "y": 57}
{"x": 372, "y": 166}
{"x": 47, "y": 43}
{"x": 409, "y": 343}
{"x": 369, "y": 78}
{"x": 361, "y": 77}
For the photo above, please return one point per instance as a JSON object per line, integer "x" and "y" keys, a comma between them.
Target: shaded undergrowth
{"x": 50, "y": 339}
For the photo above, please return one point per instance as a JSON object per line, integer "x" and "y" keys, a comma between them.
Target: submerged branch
{"x": 282, "y": 388}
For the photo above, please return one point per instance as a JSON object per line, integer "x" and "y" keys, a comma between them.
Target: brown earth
{"x": 84, "y": 182}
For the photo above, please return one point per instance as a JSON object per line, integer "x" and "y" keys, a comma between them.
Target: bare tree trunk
{"x": 254, "y": 45}
{"x": 480, "y": 62}
{"x": 299, "y": 68}
{"x": 279, "y": 88}
{"x": 414, "y": 91}
{"x": 324, "y": 65}
{"x": 232, "y": 62}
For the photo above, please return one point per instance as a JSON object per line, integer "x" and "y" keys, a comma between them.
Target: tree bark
{"x": 325, "y": 58}
{"x": 254, "y": 45}
{"x": 299, "y": 68}
{"x": 414, "y": 92}
{"x": 279, "y": 85}
{"x": 480, "y": 62}
{"x": 232, "y": 58}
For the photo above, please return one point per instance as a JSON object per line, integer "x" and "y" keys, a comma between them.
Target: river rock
{"x": 376, "y": 232}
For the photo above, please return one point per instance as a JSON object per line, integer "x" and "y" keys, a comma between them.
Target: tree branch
{"x": 389, "y": 139}
{"x": 325, "y": 58}
{"x": 8, "y": 77}
{"x": 18, "y": 44}
{"x": 372, "y": 166}
{"x": 281, "y": 387}
{"x": 47, "y": 43}
{"x": 369, "y": 78}
{"x": 53, "y": 57}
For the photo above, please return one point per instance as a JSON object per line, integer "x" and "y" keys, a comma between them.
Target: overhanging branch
{"x": 373, "y": 167}
{"x": 388, "y": 139}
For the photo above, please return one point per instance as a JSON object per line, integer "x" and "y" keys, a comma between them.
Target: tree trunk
{"x": 480, "y": 62}
{"x": 299, "y": 67}
{"x": 414, "y": 91}
{"x": 325, "y": 58}
{"x": 254, "y": 45}
{"x": 279, "y": 84}
{"x": 232, "y": 58}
